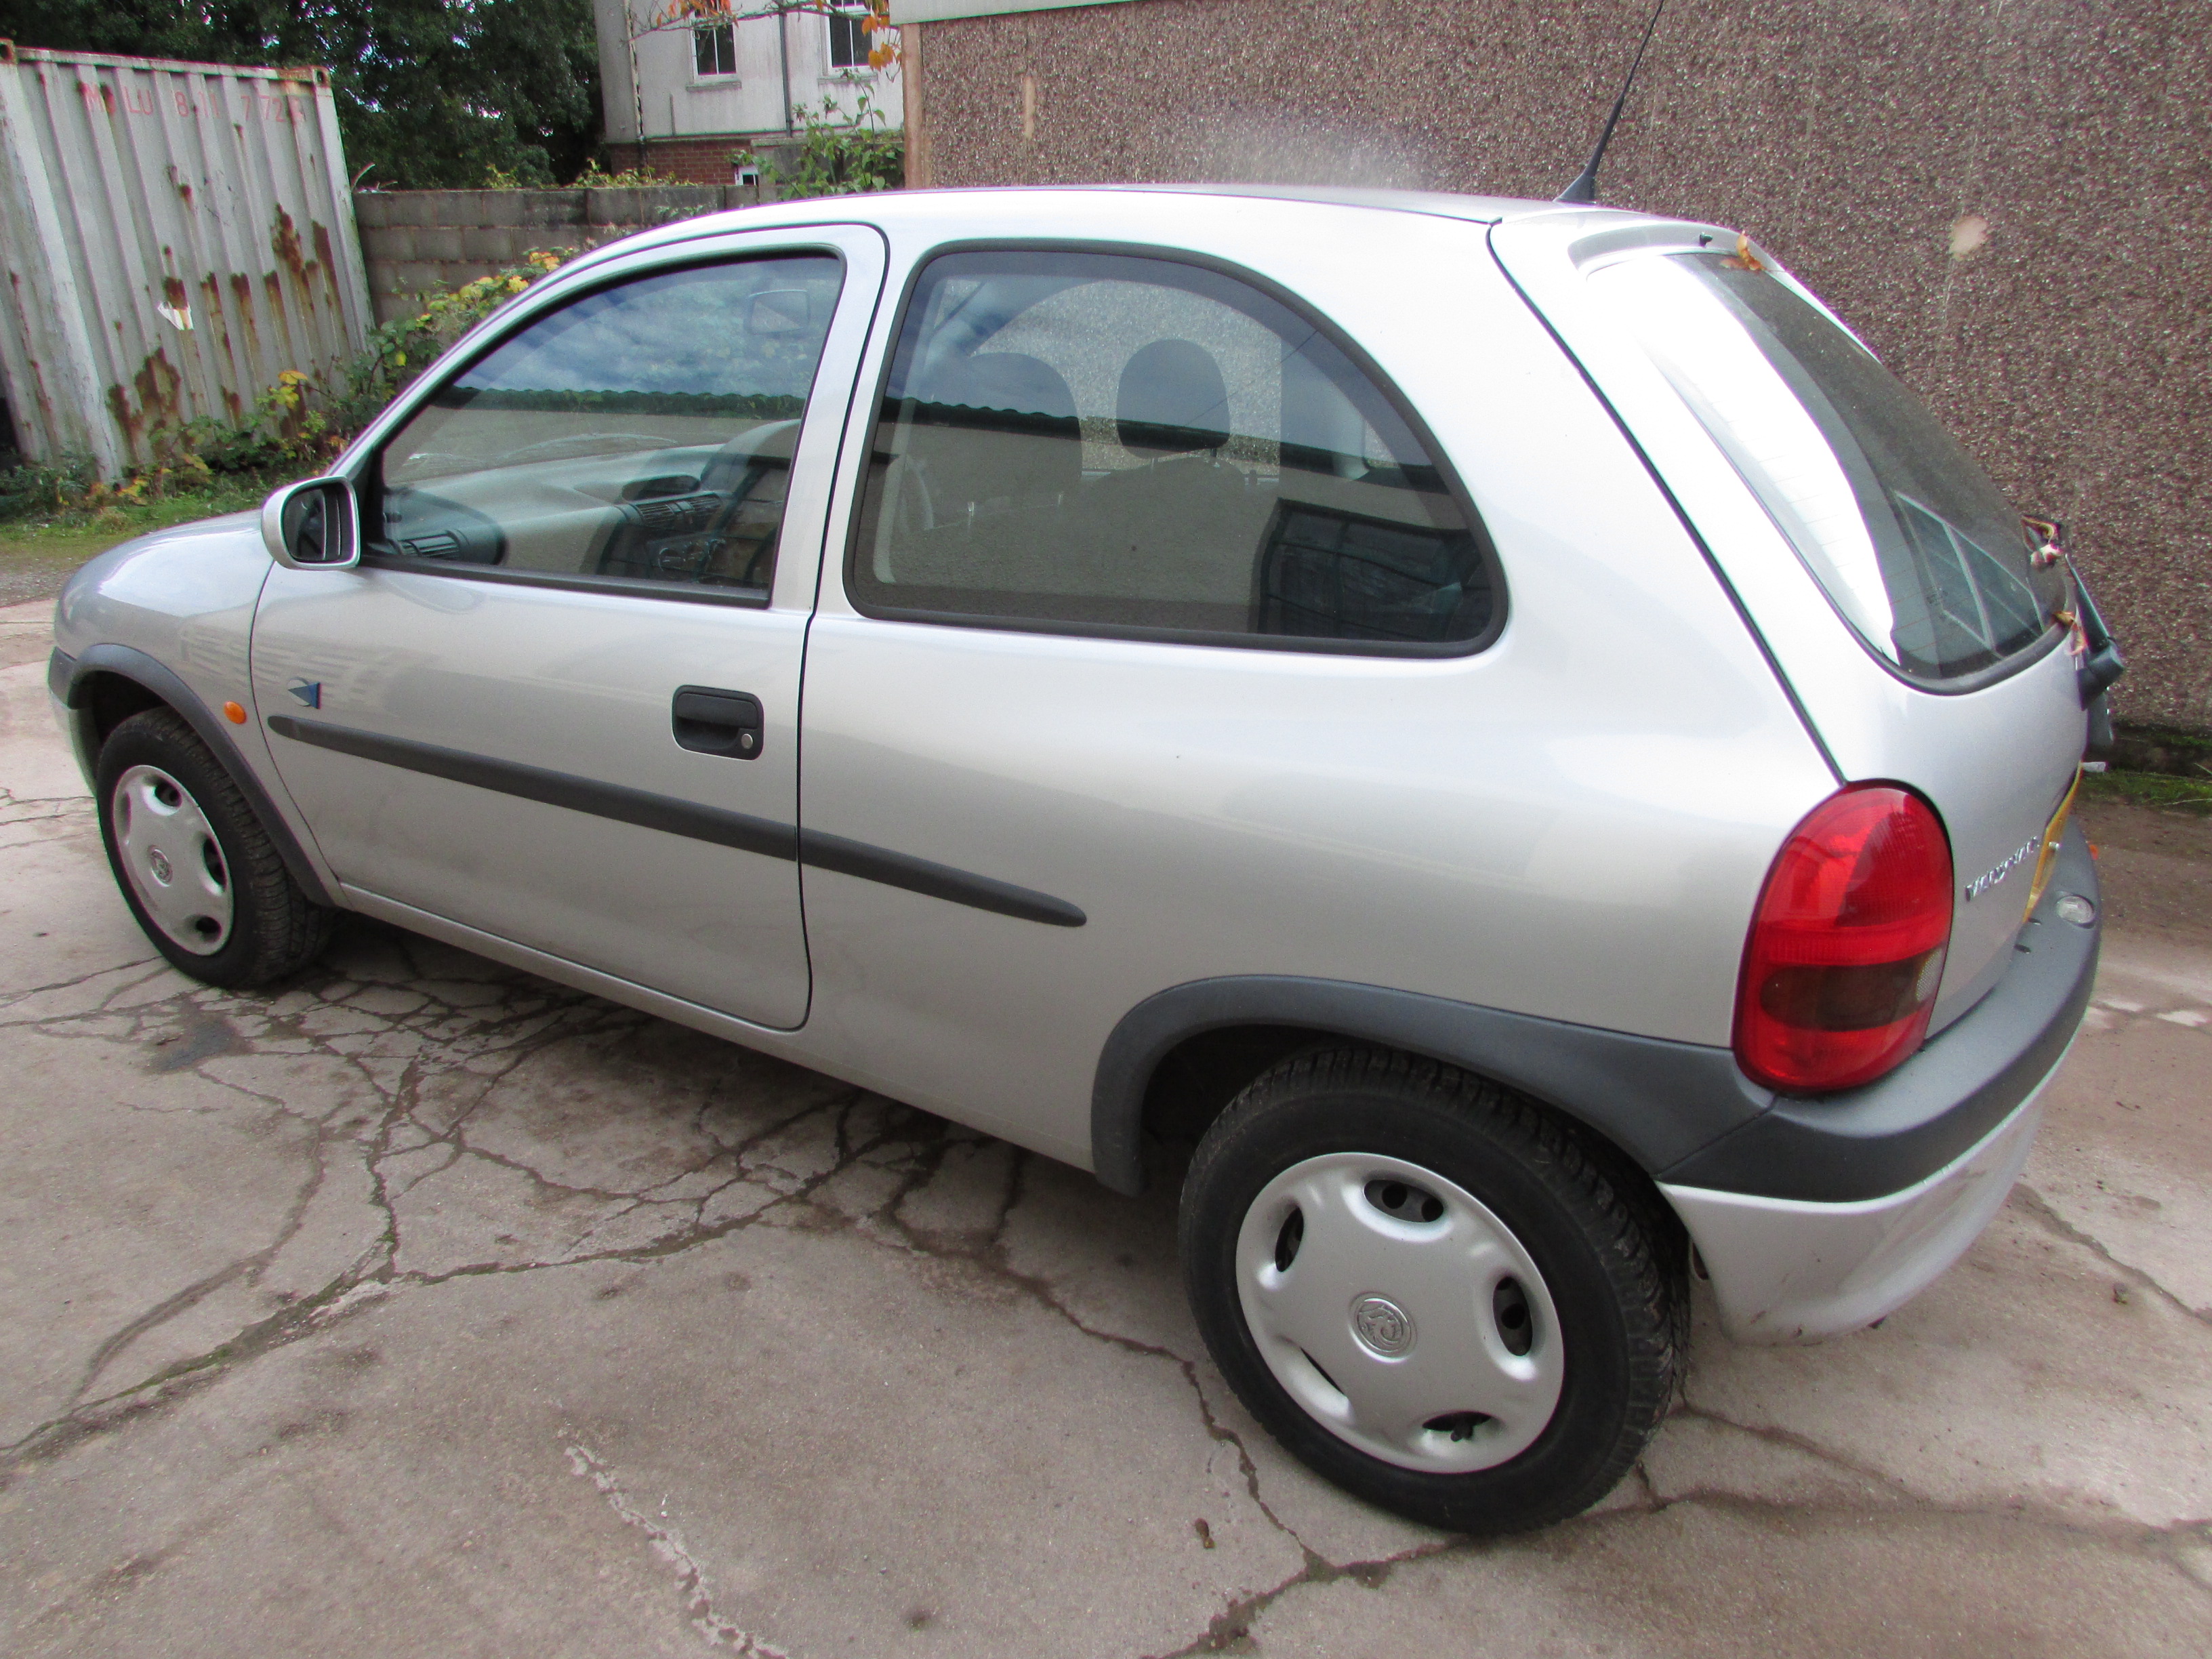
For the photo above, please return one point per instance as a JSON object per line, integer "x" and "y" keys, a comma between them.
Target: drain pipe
{"x": 637, "y": 86}
{"x": 783, "y": 60}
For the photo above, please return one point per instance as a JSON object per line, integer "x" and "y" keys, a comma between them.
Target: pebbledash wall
{"x": 2011, "y": 200}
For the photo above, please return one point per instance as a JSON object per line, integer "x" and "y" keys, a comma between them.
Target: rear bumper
{"x": 1784, "y": 1270}
{"x": 1820, "y": 1216}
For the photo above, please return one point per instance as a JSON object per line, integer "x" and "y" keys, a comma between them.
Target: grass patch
{"x": 2150, "y": 789}
{"x": 39, "y": 555}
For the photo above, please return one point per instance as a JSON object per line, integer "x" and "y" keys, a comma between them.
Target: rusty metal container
{"x": 175, "y": 236}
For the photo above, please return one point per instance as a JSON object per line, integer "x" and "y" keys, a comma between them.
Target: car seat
{"x": 1181, "y": 533}
{"x": 999, "y": 430}
{"x": 994, "y": 455}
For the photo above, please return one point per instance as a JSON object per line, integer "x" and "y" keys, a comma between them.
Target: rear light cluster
{"x": 1847, "y": 948}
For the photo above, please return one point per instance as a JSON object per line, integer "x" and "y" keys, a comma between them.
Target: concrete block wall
{"x": 416, "y": 242}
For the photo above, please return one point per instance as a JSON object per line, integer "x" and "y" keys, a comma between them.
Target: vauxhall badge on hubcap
{"x": 1382, "y": 1325}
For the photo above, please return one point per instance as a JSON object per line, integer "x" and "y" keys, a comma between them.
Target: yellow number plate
{"x": 2053, "y": 833}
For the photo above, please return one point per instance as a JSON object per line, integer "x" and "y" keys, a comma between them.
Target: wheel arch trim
{"x": 128, "y": 662}
{"x": 1659, "y": 1100}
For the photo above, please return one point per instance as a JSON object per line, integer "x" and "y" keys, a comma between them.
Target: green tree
{"x": 430, "y": 93}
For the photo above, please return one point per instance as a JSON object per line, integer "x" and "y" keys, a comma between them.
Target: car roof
{"x": 1480, "y": 210}
{"x": 933, "y": 210}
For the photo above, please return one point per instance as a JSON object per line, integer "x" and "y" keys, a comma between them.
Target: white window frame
{"x": 832, "y": 70}
{"x": 715, "y": 77}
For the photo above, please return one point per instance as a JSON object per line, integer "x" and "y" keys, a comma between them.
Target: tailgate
{"x": 1922, "y": 628}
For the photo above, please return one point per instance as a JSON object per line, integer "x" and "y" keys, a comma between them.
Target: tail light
{"x": 1847, "y": 948}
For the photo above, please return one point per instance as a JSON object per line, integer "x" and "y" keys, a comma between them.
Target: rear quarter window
{"x": 1104, "y": 443}
{"x": 1913, "y": 542}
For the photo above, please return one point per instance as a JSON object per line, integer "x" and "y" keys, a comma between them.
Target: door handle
{"x": 712, "y": 722}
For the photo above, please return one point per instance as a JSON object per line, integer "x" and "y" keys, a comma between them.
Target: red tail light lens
{"x": 1847, "y": 948}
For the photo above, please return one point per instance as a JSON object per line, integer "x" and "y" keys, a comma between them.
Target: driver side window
{"x": 643, "y": 432}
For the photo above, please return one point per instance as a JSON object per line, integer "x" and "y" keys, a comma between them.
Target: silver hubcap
{"x": 170, "y": 853}
{"x": 1400, "y": 1312}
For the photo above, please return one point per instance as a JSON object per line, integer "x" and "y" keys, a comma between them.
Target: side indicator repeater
{"x": 234, "y": 713}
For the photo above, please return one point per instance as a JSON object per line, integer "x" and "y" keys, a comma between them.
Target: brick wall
{"x": 695, "y": 160}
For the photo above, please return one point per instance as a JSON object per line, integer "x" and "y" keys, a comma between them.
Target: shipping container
{"x": 176, "y": 236}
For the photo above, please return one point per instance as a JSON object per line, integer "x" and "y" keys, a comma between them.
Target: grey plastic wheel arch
{"x": 1658, "y": 1101}
{"x": 1684, "y": 1111}
{"x": 130, "y": 663}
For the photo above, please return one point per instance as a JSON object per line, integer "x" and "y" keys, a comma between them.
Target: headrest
{"x": 1002, "y": 392}
{"x": 1014, "y": 381}
{"x": 1172, "y": 401}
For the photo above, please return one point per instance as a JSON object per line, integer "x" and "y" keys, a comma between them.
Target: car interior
{"x": 1231, "y": 483}
{"x": 644, "y": 433}
{"x": 1128, "y": 444}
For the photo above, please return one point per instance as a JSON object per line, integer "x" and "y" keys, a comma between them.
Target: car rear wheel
{"x": 197, "y": 870}
{"x": 1430, "y": 1291}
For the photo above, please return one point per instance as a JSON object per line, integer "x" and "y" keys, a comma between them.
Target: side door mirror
{"x": 315, "y": 526}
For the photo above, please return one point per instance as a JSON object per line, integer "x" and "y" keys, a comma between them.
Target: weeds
{"x": 34, "y": 489}
{"x": 839, "y": 157}
{"x": 2151, "y": 789}
{"x": 593, "y": 178}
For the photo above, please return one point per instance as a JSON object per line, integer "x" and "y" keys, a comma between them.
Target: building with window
{"x": 686, "y": 100}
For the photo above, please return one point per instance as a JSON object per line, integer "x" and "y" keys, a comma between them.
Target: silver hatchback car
{"x": 1498, "y": 729}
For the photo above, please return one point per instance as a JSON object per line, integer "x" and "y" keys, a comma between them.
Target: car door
{"x": 558, "y": 702}
{"x": 1136, "y": 542}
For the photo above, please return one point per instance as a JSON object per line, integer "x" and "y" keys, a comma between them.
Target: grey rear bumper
{"x": 1821, "y": 1216}
{"x": 1895, "y": 1133}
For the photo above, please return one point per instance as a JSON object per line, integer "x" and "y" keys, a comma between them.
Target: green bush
{"x": 837, "y": 157}
{"x": 33, "y": 489}
{"x": 70, "y": 496}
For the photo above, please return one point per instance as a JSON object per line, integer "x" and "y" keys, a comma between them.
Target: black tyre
{"x": 195, "y": 867}
{"x": 1432, "y": 1292}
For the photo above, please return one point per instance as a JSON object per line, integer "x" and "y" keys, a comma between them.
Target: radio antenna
{"x": 1584, "y": 188}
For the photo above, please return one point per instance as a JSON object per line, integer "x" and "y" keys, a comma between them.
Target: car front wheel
{"x": 197, "y": 870}
{"x": 1430, "y": 1291}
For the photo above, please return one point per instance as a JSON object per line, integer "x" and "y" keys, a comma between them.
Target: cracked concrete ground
{"x": 426, "y": 1307}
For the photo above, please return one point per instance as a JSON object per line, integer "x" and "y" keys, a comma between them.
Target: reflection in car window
{"x": 1134, "y": 443}
{"x": 645, "y": 432}
{"x": 1914, "y": 543}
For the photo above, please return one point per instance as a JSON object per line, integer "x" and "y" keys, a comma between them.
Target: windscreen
{"x": 1915, "y": 545}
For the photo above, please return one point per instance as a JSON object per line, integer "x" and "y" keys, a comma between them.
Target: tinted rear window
{"x": 1915, "y": 545}
{"x": 1093, "y": 440}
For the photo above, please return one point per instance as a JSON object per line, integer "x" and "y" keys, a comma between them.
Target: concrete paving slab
{"x": 424, "y": 1307}
{"x": 1719, "y": 1580}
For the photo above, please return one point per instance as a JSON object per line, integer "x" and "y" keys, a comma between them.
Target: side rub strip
{"x": 680, "y": 817}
